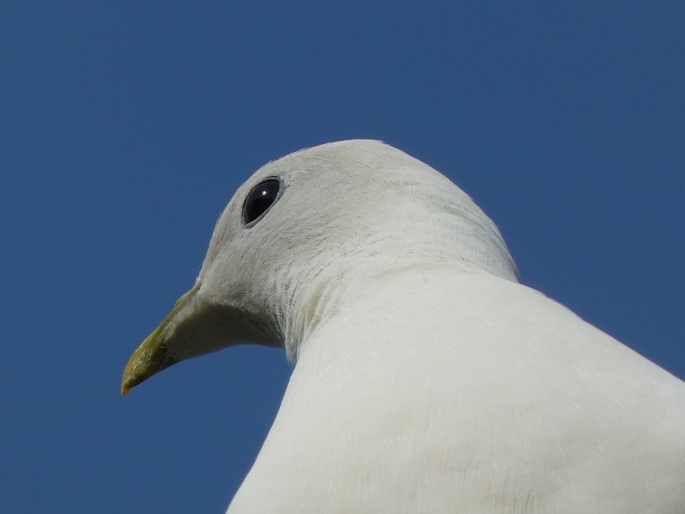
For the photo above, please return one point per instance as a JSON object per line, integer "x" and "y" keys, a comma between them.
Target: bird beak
{"x": 152, "y": 355}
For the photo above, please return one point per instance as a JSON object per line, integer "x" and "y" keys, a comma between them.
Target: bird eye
{"x": 260, "y": 199}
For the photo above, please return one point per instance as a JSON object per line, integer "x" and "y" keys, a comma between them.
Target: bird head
{"x": 304, "y": 229}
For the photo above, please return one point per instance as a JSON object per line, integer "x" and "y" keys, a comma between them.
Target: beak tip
{"x": 152, "y": 355}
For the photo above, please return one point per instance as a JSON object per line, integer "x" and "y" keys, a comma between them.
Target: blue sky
{"x": 126, "y": 126}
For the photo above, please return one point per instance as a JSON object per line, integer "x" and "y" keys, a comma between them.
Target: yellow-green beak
{"x": 152, "y": 356}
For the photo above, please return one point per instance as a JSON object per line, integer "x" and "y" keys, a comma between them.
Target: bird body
{"x": 427, "y": 379}
{"x": 496, "y": 412}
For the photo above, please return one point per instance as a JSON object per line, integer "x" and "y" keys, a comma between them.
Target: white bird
{"x": 427, "y": 379}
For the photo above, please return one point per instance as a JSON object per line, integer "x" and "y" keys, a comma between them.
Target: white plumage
{"x": 426, "y": 379}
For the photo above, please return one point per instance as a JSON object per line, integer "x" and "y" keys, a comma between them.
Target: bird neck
{"x": 332, "y": 291}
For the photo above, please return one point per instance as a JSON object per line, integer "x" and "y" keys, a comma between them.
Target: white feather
{"x": 427, "y": 379}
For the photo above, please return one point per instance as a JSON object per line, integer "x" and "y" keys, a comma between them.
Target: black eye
{"x": 260, "y": 199}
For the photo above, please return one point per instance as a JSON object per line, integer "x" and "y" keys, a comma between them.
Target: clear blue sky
{"x": 126, "y": 126}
